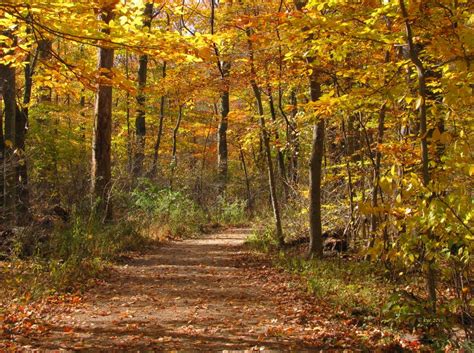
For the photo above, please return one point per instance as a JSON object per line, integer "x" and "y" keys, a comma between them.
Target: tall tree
{"x": 174, "y": 157}
{"x": 224, "y": 70}
{"x": 280, "y": 156}
{"x": 7, "y": 76}
{"x": 21, "y": 129}
{"x": 317, "y": 150}
{"x": 102, "y": 136}
{"x": 266, "y": 142}
{"x": 159, "y": 133}
{"x": 422, "y": 93}
{"x": 8, "y": 87}
{"x": 140, "y": 121}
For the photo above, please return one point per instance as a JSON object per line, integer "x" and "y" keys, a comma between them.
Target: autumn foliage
{"x": 327, "y": 122}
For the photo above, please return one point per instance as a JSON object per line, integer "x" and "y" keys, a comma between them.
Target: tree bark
{"x": 422, "y": 92}
{"x": 247, "y": 182}
{"x": 293, "y": 141}
{"x": 203, "y": 162}
{"x": 21, "y": 171}
{"x": 101, "y": 143}
{"x": 376, "y": 173}
{"x": 350, "y": 188}
{"x": 127, "y": 118}
{"x": 8, "y": 82}
{"x": 2, "y": 158}
{"x": 222, "y": 156}
{"x": 45, "y": 47}
{"x": 222, "y": 150}
{"x": 266, "y": 146}
{"x": 21, "y": 129}
{"x": 29, "y": 69}
{"x": 174, "y": 158}
{"x": 315, "y": 169}
{"x": 315, "y": 176}
{"x": 160, "y": 129}
{"x": 7, "y": 75}
{"x": 280, "y": 156}
{"x": 8, "y": 86}
{"x": 140, "y": 120}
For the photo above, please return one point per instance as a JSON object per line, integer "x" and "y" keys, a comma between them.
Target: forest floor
{"x": 209, "y": 293}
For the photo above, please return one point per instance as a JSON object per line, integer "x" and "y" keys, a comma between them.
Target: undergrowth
{"x": 70, "y": 257}
{"x": 351, "y": 285}
{"x": 363, "y": 289}
{"x": 74, "y": 254}
{"x": 174, "y": 212}
{"x": 229, "y": 212}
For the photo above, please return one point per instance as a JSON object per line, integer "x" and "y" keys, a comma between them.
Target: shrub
{"x": 351, "y": 286}
{"x": 171, "y": 209}
{"x": 263, "y": 239}
{"x": 79, "y": 251}
{"x": 229, "y": 212}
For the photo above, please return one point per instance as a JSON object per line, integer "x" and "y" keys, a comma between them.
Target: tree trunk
{"x": 315, "y": 176}
{"x": 247, "y": 183}
{"x": 127, "y": 118}
{"x": 174, "y": 158}
{"x": 266, "y": 146}
{"x": 30, "y": 65}
{"x": 315, "y": 222}
{"x": 162, "y": 117}
{"x": 45, "y": 47}
{"x": 203, "y": 162}
{"x": 350, "y": 188}
{"x": 101, "y": 143}
{"x": 21, "y": 129}
{"x": 280, "y": 156}
{"x": 222, "y": 151}
{"x": 22, "y": 192}
{"x": 7, "y": 75}
{"x": 160, "y": 129}
{"x": 2, "y": 157}
{"x": 422, "y": 92}
{"x": 351, "y": 138}
{"x": 376, "y": 173}
{"x": 222, "y": 156}
{"x": 315, "y": 169}
{"x": 8, "y": 86}
{"x": 271, "y": 173}
{"x": 293, "y": 141}
{"x": 140, "y": 123}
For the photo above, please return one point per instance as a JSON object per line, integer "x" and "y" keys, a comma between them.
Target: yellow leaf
{"x": 471, "y": 170}
{"x": 393, "y": 170}
{"x": 419, "y": 101}
{"x": 399, "y": 198}
{"x": 446, "y": 138}
{"x": 436, "y": 135}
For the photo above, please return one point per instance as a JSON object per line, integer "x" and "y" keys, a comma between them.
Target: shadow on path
{"x": 207, "y": 294}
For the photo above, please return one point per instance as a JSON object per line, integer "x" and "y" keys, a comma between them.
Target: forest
{"x": 237, "y": 175}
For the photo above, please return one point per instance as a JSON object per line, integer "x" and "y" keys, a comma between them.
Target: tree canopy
{"x": 340, "y": 119}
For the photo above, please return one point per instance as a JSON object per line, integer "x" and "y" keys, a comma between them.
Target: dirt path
{"x": 207, "y": 294}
